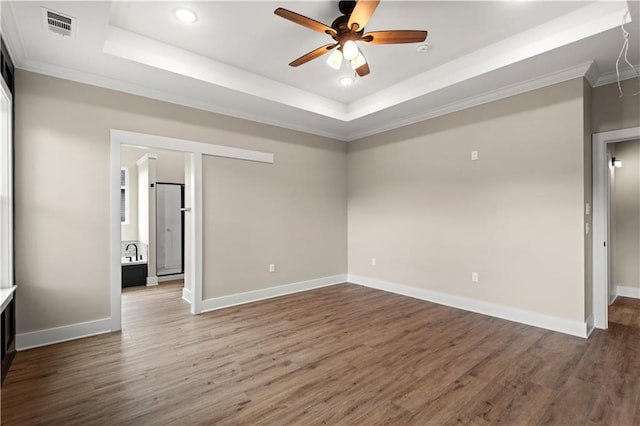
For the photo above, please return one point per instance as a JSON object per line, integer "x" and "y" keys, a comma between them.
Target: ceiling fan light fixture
{"x": 358, "y": 61}
{"x": 185, "y": 15}
{"x": 350, "y": 50}
{"x": 335, "y": 59}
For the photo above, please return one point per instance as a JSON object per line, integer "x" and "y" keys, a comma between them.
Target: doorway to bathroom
{"x": 192, "y": 153}
{"x": 152, "y": 210}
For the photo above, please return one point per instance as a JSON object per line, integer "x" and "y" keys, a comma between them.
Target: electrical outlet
{"x": 474, "y": 277}
{"x": 587, "y": 209}
{"x": 373, "y": 261}
{"x": 474, "y": 155}
{"x": 272, "y": 267}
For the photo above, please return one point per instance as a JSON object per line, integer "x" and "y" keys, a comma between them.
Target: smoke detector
{"x": 59, "y": 23}
{"x": 423, "y": 47}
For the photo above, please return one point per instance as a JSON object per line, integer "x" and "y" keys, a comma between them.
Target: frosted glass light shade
{"x": 358, "y": 61}
{"x": 335, "y": 59}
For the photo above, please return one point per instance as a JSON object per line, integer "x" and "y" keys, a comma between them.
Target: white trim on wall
{"x": 626, "y": 291}
{"x": 54, "y": 335}
{"x": 173, "y": 144}
{"x": 562, "y": 325}
{"x": 186, "y": 295}
{"x": 115, "y": 229}
{"x": 590, "y": 325}
{"x": 268, "y": 293}
{"x": 601, "y": 219}
{"x": 196, "y": 233}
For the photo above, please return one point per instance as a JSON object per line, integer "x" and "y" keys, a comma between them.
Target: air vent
{"x": 58, "y": 23}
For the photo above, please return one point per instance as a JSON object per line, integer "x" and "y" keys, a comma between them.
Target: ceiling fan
{"x": 346, "y": 30}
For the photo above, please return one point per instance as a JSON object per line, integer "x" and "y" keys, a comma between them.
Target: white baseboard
{"x": 612, "y": 297}
{"x": 170, "y": 278}
{"x": 268, "y": 293}
{"x": 186, "y": 295}
{"x": 590, "y": 325}
{"x": 625, "y": 291}
{"x": 50, "y": 336}
{"x": 562, "y": 325}
{"x": 151, "y": 281}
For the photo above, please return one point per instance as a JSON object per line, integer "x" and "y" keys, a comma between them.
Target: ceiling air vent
{"x": 59, "y": 23}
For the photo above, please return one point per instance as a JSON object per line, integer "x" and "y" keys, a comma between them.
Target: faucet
{"x": 135, "y": 247}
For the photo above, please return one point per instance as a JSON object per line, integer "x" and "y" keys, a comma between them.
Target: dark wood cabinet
{"x": 8, "y": 344}
{"x": 133, "y": 275}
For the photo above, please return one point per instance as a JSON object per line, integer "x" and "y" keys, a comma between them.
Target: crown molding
{"x": 138, "y": 90}
{"x": 512, "y": 90}
{"x": 612, "y": 77}
{"x": 592, "y": 74}
{"x": 10, "y": 35}
{"x": 588, "y": 70}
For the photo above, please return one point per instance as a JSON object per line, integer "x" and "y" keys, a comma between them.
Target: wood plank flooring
{"x": 338, "y": 355}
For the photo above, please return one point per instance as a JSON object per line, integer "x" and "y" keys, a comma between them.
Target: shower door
{"x": 169, "y": 228}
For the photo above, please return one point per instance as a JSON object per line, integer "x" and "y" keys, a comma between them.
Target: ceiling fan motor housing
{"x": 343, "y": 31}
{"x": 346, "y": 7}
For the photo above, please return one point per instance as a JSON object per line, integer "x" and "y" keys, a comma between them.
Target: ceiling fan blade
{"x": 304, "y": 21}
{"x": 363, "y": 70}
{"x": 394, "y": 37}
{"x": 312, "y": 55}
{"x": 362, "y": 13}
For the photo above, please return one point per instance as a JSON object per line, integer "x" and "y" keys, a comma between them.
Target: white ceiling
{"x": 234, "y": 59}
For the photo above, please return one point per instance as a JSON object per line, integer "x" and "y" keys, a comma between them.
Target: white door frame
{"x": 196, "y": 150}
{"x": 601, "y": 219}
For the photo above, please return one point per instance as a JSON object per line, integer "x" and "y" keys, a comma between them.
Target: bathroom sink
{"x": 126, "y": 261}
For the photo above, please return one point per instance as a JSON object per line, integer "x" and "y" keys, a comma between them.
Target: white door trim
{"x": 196, "y": 150}
{"x": 601, "y": 218}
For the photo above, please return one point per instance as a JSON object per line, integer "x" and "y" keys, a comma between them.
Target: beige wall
{"x": 62, "y": 193}
{"x": 289, "y": 213}
{"x": 625, "y": 216}
{"x": 431, "y": 216}
{"x": 611, "y": 112}
{"x": 416, "y": 202}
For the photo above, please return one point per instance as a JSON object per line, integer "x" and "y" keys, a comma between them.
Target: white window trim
{"x": 6, "y": 261}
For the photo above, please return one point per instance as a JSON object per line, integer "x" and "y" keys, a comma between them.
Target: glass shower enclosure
{"x": 169, "y": 228}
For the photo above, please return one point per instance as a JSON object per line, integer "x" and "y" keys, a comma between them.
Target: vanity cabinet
{"x": 134, "y": 274}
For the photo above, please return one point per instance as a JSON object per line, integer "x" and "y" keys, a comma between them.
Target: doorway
{"x": 192, "y": 291}
{"x": 602, "y": 266}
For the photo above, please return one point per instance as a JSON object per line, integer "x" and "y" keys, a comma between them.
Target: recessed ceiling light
{"x": 346, "y": 81}
{"x": 185, "y": 15}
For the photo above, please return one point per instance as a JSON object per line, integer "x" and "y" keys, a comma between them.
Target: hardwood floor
{"x": 339, "y": 355}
